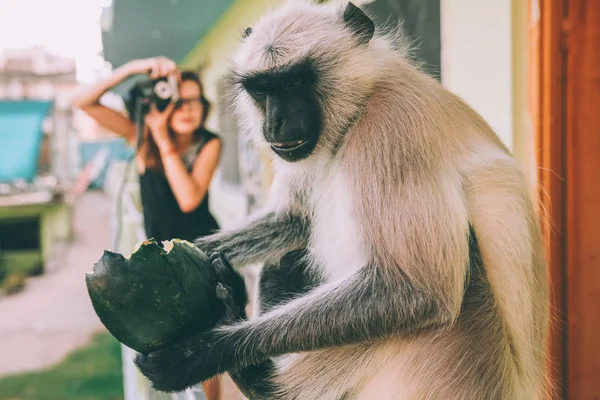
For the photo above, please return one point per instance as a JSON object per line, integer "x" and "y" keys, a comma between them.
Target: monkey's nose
{"x": 275, "y": 128}
{"x": 277, "y": 124}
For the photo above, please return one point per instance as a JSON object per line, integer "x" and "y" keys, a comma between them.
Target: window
{"x": 420, "y": 22}
{"x": 20, "y": 234}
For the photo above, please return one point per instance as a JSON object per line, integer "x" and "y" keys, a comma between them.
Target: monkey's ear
{"x": 362, "y": 26}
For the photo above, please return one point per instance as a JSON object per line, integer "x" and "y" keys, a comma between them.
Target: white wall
{"x": 476, "y": 38}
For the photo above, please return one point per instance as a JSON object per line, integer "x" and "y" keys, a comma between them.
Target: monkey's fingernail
{"x": 218, "y": 263}
{"x": 222, "y": 292}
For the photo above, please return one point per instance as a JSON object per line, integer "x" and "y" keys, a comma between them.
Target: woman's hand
{"x": 155, "y": 66}
{"x": 158, "y": 123}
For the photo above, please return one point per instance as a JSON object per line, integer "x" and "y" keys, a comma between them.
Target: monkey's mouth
{"x": 294, "y": 150}
{"x": 288, "y": 146}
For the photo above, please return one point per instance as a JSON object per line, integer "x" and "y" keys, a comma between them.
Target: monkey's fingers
{"x": 179, "y": 366}
{"x": 215, "y": 255}
{"x": 225, "y": 294}
{"x": 231, "y": 288}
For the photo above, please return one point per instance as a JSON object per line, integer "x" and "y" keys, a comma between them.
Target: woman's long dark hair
{"x": 149, "y": 150}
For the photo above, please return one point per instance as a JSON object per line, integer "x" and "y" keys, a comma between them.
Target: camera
{"x": 158, "y": 92}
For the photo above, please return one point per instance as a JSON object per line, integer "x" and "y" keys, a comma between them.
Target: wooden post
{"x": 546, "y": 111}
{"x": 582, "y": 152}
{"x": 564, "y": 38}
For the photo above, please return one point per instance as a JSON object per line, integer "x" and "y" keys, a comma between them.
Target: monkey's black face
{"x": 292, "y": 113}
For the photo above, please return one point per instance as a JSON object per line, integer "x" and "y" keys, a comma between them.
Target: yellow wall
{"x": 523, "y": 135}
{"x": 213, "y": 52}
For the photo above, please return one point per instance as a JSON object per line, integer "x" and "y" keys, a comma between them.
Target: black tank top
{"x": 163, "y": 219}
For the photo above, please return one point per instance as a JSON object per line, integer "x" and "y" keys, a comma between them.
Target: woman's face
{"x": 186, "y": 118}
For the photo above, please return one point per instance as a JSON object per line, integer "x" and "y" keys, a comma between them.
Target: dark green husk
{"x": 155, "y": 297}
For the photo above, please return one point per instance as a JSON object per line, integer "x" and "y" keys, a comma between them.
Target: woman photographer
{"x": 176, "y": 160}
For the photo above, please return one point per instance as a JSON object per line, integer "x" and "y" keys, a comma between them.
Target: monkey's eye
{"x": 257, "y": 88}
{"x": 257, "y": 94}
{"x": 295, "y": 80}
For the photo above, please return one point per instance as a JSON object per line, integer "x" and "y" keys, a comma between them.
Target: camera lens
{"x": 163, "y": 90}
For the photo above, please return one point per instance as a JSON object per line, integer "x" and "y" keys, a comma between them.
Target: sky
{"x": 66, "y": 27}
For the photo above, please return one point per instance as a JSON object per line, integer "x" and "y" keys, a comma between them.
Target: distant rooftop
{"x": 35, "y": 62}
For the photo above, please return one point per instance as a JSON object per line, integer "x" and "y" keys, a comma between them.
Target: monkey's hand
{"x": 193, "y": 360}
{"x": 179, "y": 366}
{"x": 264, "y": 238}
{"x": 231, "y": 288}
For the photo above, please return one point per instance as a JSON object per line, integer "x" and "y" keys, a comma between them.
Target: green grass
{"x": 90, "y": 373}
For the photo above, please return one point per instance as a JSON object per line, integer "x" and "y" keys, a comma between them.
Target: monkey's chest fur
{"x": 336, "y": 241}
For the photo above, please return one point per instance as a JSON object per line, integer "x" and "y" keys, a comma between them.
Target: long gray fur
{"x": 330, "y": 316}
{"x": 265, "y": 239}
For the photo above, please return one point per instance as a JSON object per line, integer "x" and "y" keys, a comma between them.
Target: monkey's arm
{"x": 413, "y": 282}
{"x": 264, "y": 239}
{"x": 364, "y": 307}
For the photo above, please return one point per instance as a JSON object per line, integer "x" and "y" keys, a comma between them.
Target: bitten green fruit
{"x": 161, "y": 294}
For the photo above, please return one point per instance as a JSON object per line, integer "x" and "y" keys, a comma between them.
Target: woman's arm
{"x": 88, "y": 100}
{"x": 190, "y": 189}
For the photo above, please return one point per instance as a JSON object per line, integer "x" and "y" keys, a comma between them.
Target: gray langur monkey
{"x": 403, "y": 253}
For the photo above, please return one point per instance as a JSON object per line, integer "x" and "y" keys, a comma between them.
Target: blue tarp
{"x": 21, "y": 138}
